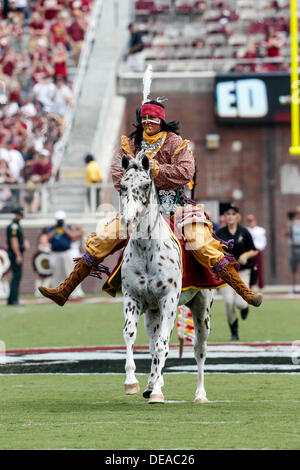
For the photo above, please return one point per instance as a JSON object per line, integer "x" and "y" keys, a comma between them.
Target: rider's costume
{"x": 174, "y": 168}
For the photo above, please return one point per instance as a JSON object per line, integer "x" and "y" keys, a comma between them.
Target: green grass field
{"x": 79, "y": 324}
{"x": 91, "y": 411}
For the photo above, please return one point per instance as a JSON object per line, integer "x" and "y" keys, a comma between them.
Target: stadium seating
{"x": 207, "y": 30}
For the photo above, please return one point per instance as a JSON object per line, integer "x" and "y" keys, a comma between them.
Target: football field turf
{"x": 87, "y": 410}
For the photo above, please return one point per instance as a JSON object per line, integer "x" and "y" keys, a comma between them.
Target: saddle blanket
{"x": 194, "y": 275}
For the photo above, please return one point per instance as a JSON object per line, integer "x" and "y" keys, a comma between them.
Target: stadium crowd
{"x": 38, "y": 41}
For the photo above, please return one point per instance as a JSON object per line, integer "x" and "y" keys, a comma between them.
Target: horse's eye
{"x": 123, "y": 188}
{"x": 145, "y": 186}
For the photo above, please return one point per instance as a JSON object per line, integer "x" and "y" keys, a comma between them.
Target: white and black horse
{"x": 152, "y": 280}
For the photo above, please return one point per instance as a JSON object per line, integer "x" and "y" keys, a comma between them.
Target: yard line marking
{"x": 221, "y": 358}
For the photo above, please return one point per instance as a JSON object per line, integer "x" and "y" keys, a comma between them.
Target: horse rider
{"x": 172, "y": 166}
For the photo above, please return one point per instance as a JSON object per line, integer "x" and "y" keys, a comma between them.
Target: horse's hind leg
{"x": 200, "y": 308}
{"x": 152, "y": 323}
{"x": 131, "y": 314}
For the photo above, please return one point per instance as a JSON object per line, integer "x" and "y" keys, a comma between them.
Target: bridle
{"x": 148, "y": 197}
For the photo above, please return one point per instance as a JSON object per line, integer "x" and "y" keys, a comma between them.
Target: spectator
{"x": 58, "y": 30}
{"x": 294, "y": 245}
{"x": 243, "y": 251}
{"x": 25, "y": 80}
{"x": 44, "y": 91}
{"x": 41, "y": 52}
{"x": 49, "y": 8}
{"x": 60, "y": 237}
{"x": 135, "y": 54}
{"x": 41, "y": 70}
{"x": 251, "y": 53}
{"x": 92, "y": 175}
{"x": 43, "y": 255}
{"x": 17, "y": 33}
{"x": 83, "y": 5}
{"x": 13, "y": 157}
{"x": 41, "y": 167}
{"x": 22, "y": 6}
{"x": 59, "y": 60}
{"x": 29, "y": 197}
{"x": 6, "y": 177}
{"x": 9, "y": 62}
{"x": 14, "y": 11}
{"x": 37, "y": 30}
{"x": 272, "y": 45}
{"x": 38, "y": 138}
{"x": 260, "y": 241}
{"x": 63, "y": 97}
{"x": 76, "y": 32}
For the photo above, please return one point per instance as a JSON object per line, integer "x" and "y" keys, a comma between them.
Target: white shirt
{"x": 44, "y": 92}
{"x": 259, "y": 237}
{"x": 15, "y": 161}
{"x": 60, "y": 102}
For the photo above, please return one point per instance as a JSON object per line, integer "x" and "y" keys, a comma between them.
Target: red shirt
{"x": 59, "y": 33}
{"x": 50, "y": 12}
{"x": 42, "y": 170}
{"x": 60, "y": 68}
{"x": 37, "y": 26}
{"x": 76, "y": 32}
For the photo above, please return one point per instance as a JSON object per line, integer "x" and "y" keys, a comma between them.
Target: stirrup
{"x": 100, "y": 269}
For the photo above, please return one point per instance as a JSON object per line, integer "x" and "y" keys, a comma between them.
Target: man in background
{"x": 260, "y": 241}
{"x": 93, "y": 175}
{"x": 60, "y": 237}
{"x": 135, "y": 54}
{"x": 16, "y": 246}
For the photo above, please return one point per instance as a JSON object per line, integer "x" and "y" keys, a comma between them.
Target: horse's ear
{"x": 125, "y": 162}
{"x": 145, "y": 163}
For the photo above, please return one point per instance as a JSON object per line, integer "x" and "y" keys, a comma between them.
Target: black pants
{"x": 15, "y": 281}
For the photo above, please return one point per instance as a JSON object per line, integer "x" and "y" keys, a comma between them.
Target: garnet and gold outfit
{"x": 174, "y": 168}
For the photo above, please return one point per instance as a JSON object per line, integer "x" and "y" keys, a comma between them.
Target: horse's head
{"x": 135, "y": 190}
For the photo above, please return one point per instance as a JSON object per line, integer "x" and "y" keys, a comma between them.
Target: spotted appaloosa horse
{"x": 152, "y": 280}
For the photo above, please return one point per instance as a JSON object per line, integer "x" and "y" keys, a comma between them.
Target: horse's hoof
{"x": 132, "y": 389}
{"x": 201, "y": 400}
{"x": 146, "y": 393}
{"x": 156, "y": 398}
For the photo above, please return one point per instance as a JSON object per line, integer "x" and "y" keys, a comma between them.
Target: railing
{"x": 210, "y": 65}
{"x": 61, "y": 145}
{"x": 45, "y": 193}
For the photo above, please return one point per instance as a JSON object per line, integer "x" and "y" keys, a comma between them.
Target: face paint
{"x": 145, "y": 120}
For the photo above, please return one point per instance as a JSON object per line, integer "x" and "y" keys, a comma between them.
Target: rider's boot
{"x": 211, "y": 253}
{"x": 232, "y": 278}
{"x": 60, "y": 294}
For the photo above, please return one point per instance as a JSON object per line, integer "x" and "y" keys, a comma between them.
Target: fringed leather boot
{"x": 230, "y": 275}
{"x": 60, "y": 294}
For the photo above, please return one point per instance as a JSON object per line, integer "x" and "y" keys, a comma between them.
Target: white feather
{"x": 147, "y": 79}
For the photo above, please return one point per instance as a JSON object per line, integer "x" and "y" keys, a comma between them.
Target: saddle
{"x": 194, "y": 275}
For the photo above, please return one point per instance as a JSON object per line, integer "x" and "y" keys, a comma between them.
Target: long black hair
{"x": 172, "y": 126}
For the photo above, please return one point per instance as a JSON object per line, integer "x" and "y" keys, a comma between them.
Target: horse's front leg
{"x": 131, "y": 314}
{"x": 200, "y": 308}
{"x": 168, "y": 310}
{"x": 152, "y": 324}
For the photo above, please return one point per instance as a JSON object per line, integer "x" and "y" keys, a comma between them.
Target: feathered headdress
{"x": 147, "y": 80}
